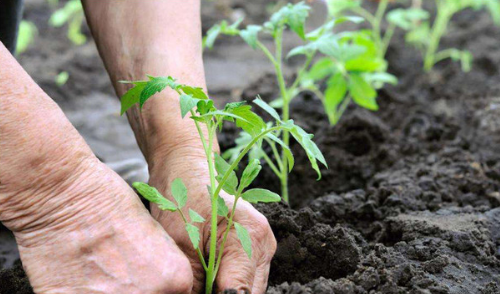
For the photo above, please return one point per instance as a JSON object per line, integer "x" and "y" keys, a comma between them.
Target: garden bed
{"x": 410, "y": 202}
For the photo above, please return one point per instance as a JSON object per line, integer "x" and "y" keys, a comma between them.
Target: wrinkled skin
{"x": 237, "y": 271}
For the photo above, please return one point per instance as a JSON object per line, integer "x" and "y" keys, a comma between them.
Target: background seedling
{"x": 405, "y": 19}
{"x": 195, "y": 102}
{"x": 350, "y": 65}
{"x": 427, "y": 37}
{"x": 72, "y": 14}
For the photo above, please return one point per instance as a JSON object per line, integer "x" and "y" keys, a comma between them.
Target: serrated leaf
{"x": 288, "y": 153}
{"x": 406, "y": 19}
{"x": 334, "y": 94}
{"x": 244, "y": 237}
{"x": 152, "y": 195}
{"x": 305, "y": 140}
{"x": 222, "y": 209}
{"x": 155, "y": 85}
{"x": 131, "y": 97}
{"x": 321, "y": 69}
{"x": 195, "y": 217}
{"x": 297, "y": 18}
{"x": 250, "y": 35}
{"x": 187, "y": 103}
{"x": 252, "y": 123}
{"x": 212, "y": 34}
{"x": 179, "y": 192}
{"x": 221, "y": 166}
{"x": 362, "y": 93}
{"x": 267, "y": 108}
{"x": 194, "y": 235}
{"x": 260, "y": 195}
{"x": 195, "y": 92}
{"x": 250, "y": 173}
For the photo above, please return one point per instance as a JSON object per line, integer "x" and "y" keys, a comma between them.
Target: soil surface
{"x": 410, "y": 202}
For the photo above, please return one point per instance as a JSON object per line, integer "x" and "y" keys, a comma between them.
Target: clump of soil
{"x": 410, "y": 202}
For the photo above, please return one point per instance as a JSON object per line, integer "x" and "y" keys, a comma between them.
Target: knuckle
{"x": 180, "y": 280}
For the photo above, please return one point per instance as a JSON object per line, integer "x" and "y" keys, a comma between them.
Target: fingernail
{"x": 244, "y": 290}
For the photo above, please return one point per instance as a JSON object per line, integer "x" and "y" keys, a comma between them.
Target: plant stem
{"x": 285, "y": 110}
{"x": 271, "y": 164}
{"x": 387, "y": 38}
{"x": 438, "y": 29}
{"x": 377, "y": 34}
{"x": 231, "y": 168}
{"x": 228, "y": 228}
{"x": 210, "y": 275}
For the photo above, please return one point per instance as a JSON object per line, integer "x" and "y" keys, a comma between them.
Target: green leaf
{"x": 132, "y": 96}
{"x": 378, "y": 79}
{"x": 286, "y": 150}
{"x": 250, "y": 35}
{"x": 305, "y": 140}
{"x": 26, "y": 35}
{"x": 195, "y": 217}
{"x": 250, "y": 173}
{"x": 365, "y": 64}
{"x": 155, "y": 85}
{"x": 335, "y": 7}
{"x": 222, "y": 209}
{"x": 297, "y": 18}
{"x": 267, "y": 108}
{"x": 222, "y": 167}
{"x": 152, "y": 195}
{"x": 251, "y": 123}
{"x": 407, "y": 19}
{"x": 244, "y": 237}
{"x": 212, "y": 34}
{"x": 260, "y": 195}
{"x": 187, "y": 103}
{"x": 334, "y": 94}
{"x": 179, "y": 191}
{"x": 194, "y": 235}
{"x": 362, "y": 93}
{"x": 321, "y": 69}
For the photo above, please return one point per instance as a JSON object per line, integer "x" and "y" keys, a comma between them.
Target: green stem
{"x": 210, "y": 276}
{"x": 198, "y": 250}
{"x": 377, "y": 34}
{"x": 387, "y": 38}
{"x": 271, "y": 164}
{"x": 228, "y": 228}
{"x": 275, "y": 153}
{"x": 240, "y": 157}
{"x": 285, "y": 110}
{"x": 438, "y": 29}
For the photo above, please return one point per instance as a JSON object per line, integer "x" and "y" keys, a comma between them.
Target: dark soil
{"x": 410, "y": 201}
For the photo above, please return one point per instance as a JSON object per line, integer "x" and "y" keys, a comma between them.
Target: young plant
{"x": 195, "y": 102}
{"x": 405, "y": 19}
{"x": 350, "y": 65}
{"x": 427, "y": 38}
{"x": 72, "y": 14}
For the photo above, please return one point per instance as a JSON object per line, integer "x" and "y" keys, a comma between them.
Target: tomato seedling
{"x": 350, "y": 65}
{"x": 195, "y": 102}
{"x": 427, "y": 37}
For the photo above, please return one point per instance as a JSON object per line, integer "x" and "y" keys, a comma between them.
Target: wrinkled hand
{"x": 236, "y": 271}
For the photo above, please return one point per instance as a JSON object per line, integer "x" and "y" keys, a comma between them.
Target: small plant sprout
{"x": 196, "y": 103}
{"x": 350, "y": 66}
{"x": 402, "y": 18}
{"x": 427, "y": 37}
{"x": 72, "y": 14}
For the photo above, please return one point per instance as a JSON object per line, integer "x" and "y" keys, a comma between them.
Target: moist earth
{"x": 410, "y": 202}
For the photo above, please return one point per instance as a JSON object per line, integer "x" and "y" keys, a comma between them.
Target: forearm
{"x": 41, "y": 153}
{"x": 136, "y": 38}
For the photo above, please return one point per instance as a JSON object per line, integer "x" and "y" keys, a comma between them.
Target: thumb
{"x": 237, "y": 271}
